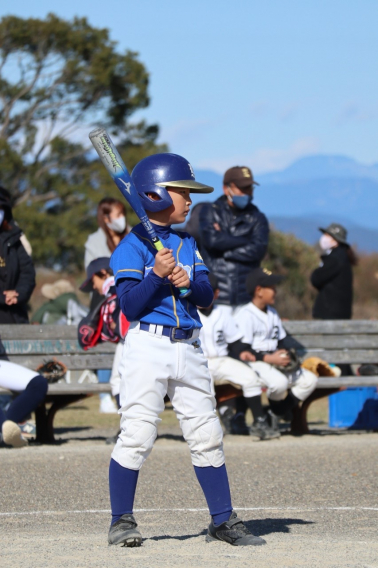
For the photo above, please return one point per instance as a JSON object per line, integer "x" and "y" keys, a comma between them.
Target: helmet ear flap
{"x": 154, "y": 205}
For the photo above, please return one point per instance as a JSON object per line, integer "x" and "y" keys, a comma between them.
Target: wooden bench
{"x": 31, "y": 345}
{"x": 337, "y": 342}
{"x": 334, "y": 341}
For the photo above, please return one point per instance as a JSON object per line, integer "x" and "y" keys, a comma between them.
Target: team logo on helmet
{"x": 191, "y": 170}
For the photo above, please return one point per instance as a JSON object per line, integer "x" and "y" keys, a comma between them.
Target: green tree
{"x": 295, "y": 260}
{"x": 57, "y": 79}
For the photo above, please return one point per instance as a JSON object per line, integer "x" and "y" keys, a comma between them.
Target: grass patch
{"x": 86, "y": 413}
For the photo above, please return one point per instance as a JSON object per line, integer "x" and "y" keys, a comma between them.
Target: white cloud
{"x": 265, "y": 159}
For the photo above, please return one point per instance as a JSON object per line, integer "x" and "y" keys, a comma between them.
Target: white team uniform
{"x": 262, "y": 331}
{"x": 152, "y": 365}
{"x": 218, "y": 331}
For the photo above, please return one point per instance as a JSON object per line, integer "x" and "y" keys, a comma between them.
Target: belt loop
{"x": 152, "y": 329}
{"x": 159, "y": 330}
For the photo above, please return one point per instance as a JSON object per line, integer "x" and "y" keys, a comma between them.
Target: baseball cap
{"x": 98, "y": 264}
{"x": 52, "y": 291}
{"x": 241, "y": 176}
{"x": 338, "y": 232}
{"x": 261, "y": 277}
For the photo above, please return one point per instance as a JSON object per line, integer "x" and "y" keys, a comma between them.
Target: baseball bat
{"x": 113, "y": 162}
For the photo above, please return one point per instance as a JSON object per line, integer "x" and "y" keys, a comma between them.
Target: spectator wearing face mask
{"x": 334, "y": 278}
{"x": 17, "y": 274}
{"x": 112, "y": 227}
{"x": 234, "y": 236}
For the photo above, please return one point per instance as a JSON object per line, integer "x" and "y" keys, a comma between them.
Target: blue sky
{"x": 258, "y": 83}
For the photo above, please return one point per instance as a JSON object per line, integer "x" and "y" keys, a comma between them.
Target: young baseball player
{"x": 227, "y": 356}
{"x": 163, "y": 352}
{"x": 262, "y": 329}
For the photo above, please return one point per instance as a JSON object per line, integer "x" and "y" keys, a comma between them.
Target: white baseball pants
{"x": 115, "y": 379}
{"x": 152, "y": 366}
{"x": 277, "y": 383}
{"x": 225, "y": 370}
{"x": 15, "y": 377}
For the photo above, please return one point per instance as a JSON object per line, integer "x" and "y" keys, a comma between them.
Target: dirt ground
{"x": 314, "y": 499}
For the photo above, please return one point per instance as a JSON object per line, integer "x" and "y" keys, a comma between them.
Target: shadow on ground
{"x": 260, "y": 527}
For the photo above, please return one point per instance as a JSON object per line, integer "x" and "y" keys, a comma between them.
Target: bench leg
{"x": 299, "y": 422}
{"x": 45, "y": 418}
{"x": 41, "y": 424}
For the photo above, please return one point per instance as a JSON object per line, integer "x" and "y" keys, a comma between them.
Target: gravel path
{"x": 314, "y": 499}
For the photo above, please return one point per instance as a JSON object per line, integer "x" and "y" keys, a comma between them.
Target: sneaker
{"x": 107, "y": 405}
{"x": 28, "y": 429}
{"x": 233, "y": 532}
{"x": 226, "y": 419}
{"x": 238, "y": 425}
{"x": 263, "y": 430}
{"x": 12, "y": 435}
{"x": 124, "y": 532}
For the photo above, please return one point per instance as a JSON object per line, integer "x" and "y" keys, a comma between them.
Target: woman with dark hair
{"x": 112, "y": 227}
{"x": 17, "y": 274}
{"x": 334, "y": 278}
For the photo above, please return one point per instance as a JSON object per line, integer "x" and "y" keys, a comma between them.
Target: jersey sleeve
{"x": 127, "y": 261}
{"x": 231, "y": 330}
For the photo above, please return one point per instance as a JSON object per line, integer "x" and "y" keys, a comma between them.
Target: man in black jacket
{"x": 234, "y": 235}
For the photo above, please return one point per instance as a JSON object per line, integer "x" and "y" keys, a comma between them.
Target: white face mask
{"x": 118, "y": 225}
{"x": 326, "y": 242}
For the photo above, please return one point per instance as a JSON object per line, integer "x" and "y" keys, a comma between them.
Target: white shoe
{"x": 107, "y": 405}
{"x": 12, "y": 435}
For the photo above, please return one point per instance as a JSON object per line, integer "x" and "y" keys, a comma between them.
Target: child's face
{"x": 266, "y": 295}
{"x": 182, "y": 201}
{"x": 178, "y": 211}
{"x": 98, "y": 281}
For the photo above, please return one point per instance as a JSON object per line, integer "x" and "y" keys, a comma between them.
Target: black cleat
{"x": 226, "y": 419}
{"x": 263, "y": 430}
{"x": 233, "y": 532}
{"x": 238, "y": 425}
{"x": 124, "y": 532}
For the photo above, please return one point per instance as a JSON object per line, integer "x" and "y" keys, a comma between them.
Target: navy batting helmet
{"x": 159, "y": 171}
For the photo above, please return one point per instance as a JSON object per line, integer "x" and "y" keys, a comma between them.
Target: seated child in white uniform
{"x": 262, "y": 329}
{"x": 227, "y": 357}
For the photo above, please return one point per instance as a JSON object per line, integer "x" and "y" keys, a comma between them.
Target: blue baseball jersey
{"x": 135, "y": 257}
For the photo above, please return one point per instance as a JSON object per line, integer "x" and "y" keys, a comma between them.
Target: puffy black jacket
{"x": 20, "y": 276}
{"x": 233, "y": 251}
{"x": 334, "y": 280}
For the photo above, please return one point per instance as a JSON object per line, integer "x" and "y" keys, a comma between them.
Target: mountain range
{"x": 313, "y": 192}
